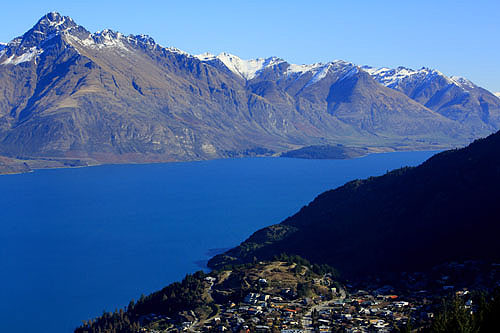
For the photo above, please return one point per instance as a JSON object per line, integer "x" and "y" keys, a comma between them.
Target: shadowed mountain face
{"x": 413, "y": 218}
{"x": 69, "y": 93}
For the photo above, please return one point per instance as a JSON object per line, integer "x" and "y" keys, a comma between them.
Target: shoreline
{"x": 279, "y": 155}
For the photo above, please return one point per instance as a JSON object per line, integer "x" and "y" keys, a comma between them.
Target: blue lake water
{"x": 74, "y": 242}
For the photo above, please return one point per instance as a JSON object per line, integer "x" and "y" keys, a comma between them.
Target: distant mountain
{"x": 106, "y": 97}
{"x": 453, "y": 97}
{"x": 409, "y": 219}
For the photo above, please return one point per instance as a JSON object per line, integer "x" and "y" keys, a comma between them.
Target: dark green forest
{"x": 456, "y": 316}
{"x": 176, "y": 297}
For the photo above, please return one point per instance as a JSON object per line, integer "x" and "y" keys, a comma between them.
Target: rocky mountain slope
{"x": 106, "y": 97}
{"x": 409, "y": 219}
{"x": 453, "y": 97}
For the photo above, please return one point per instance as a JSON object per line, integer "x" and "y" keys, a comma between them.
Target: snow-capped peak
{"x": 55, "y": 19}
{"x": 249, "y": 69}
{"x": 207, "y": 56}
{"x": 49, "y": 26}
{"x": 392, "y": 77}
{"x": 462, "y": 82}
{"x": 101, "y": 39}
{"x": 400, "y": 72}
{"x": 53, "y": 22}
{"x": 142, "y": 39}
{"x": 320, "y": 70}
{"x": 319, "y": 66}
{"x": 246, "y": 69}
{"x": 108, "y": 37}
{"x": 176, "y": 50}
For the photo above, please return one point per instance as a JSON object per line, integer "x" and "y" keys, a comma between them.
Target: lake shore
{"x": 14, "y": 166}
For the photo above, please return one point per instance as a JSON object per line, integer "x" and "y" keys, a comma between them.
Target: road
{"x": 307, "y": 319}
{"x": 197, "y": 322}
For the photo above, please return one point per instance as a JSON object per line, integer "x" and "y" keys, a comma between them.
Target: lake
{"x": 77, "y": 241}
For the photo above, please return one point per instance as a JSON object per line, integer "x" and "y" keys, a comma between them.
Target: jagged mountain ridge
{"x": 67, "y": 92}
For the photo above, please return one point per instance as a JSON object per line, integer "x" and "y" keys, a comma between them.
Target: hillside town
{"x": 327, "y": 306}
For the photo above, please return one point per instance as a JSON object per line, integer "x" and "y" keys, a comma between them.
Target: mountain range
{"x": 407, "y": 220}
{"x": 69, "y": 96}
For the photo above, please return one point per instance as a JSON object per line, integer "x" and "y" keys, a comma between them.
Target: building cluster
{"x": 361, "y": 311}
{"x": 381, "y": 309}
{"x": 358, "y": 307}
{"x": 260, "y": 313}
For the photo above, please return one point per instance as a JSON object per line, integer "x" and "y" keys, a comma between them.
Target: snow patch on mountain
{"x": 55, "y": 19}
{"x": 247, "y": 69}
{"x": 23, "y": 49}
{"x": 320, "y": 70}
{"x": 33, "y": 43}
{"x": 15, "y": 42}
{"x": 497, "y": 94}
{"x": 53, "y": 23}
{"x": 104, "y": 39}
{"x": 321, "y": 74}
{"x": 207, "y": 56}
{"x": 172, "y": 49}
{"x": 337, "y": 65}
{"x": 351, "y": 72}
{"x": 112, "y": 40}
{"x": 393, "y": 77}
{"x": 14, "y": 59}
{"x": 301, "y": 69}
{"x": 463, "y": 82}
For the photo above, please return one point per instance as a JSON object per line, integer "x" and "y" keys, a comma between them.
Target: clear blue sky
{"x": 455, "y": 37}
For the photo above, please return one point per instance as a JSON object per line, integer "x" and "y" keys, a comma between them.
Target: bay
{"x": 75, "y": 242}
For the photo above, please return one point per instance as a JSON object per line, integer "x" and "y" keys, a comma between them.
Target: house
{"x": 251, "y": 298}
{"x": 401, "y": 304}
{"x": 324, "y": 322}
{"x": 186, "y": 325}
{"x": 210, "y": 279}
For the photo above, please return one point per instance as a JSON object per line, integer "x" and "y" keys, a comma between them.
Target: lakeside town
{"x": 291, "y": 298}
